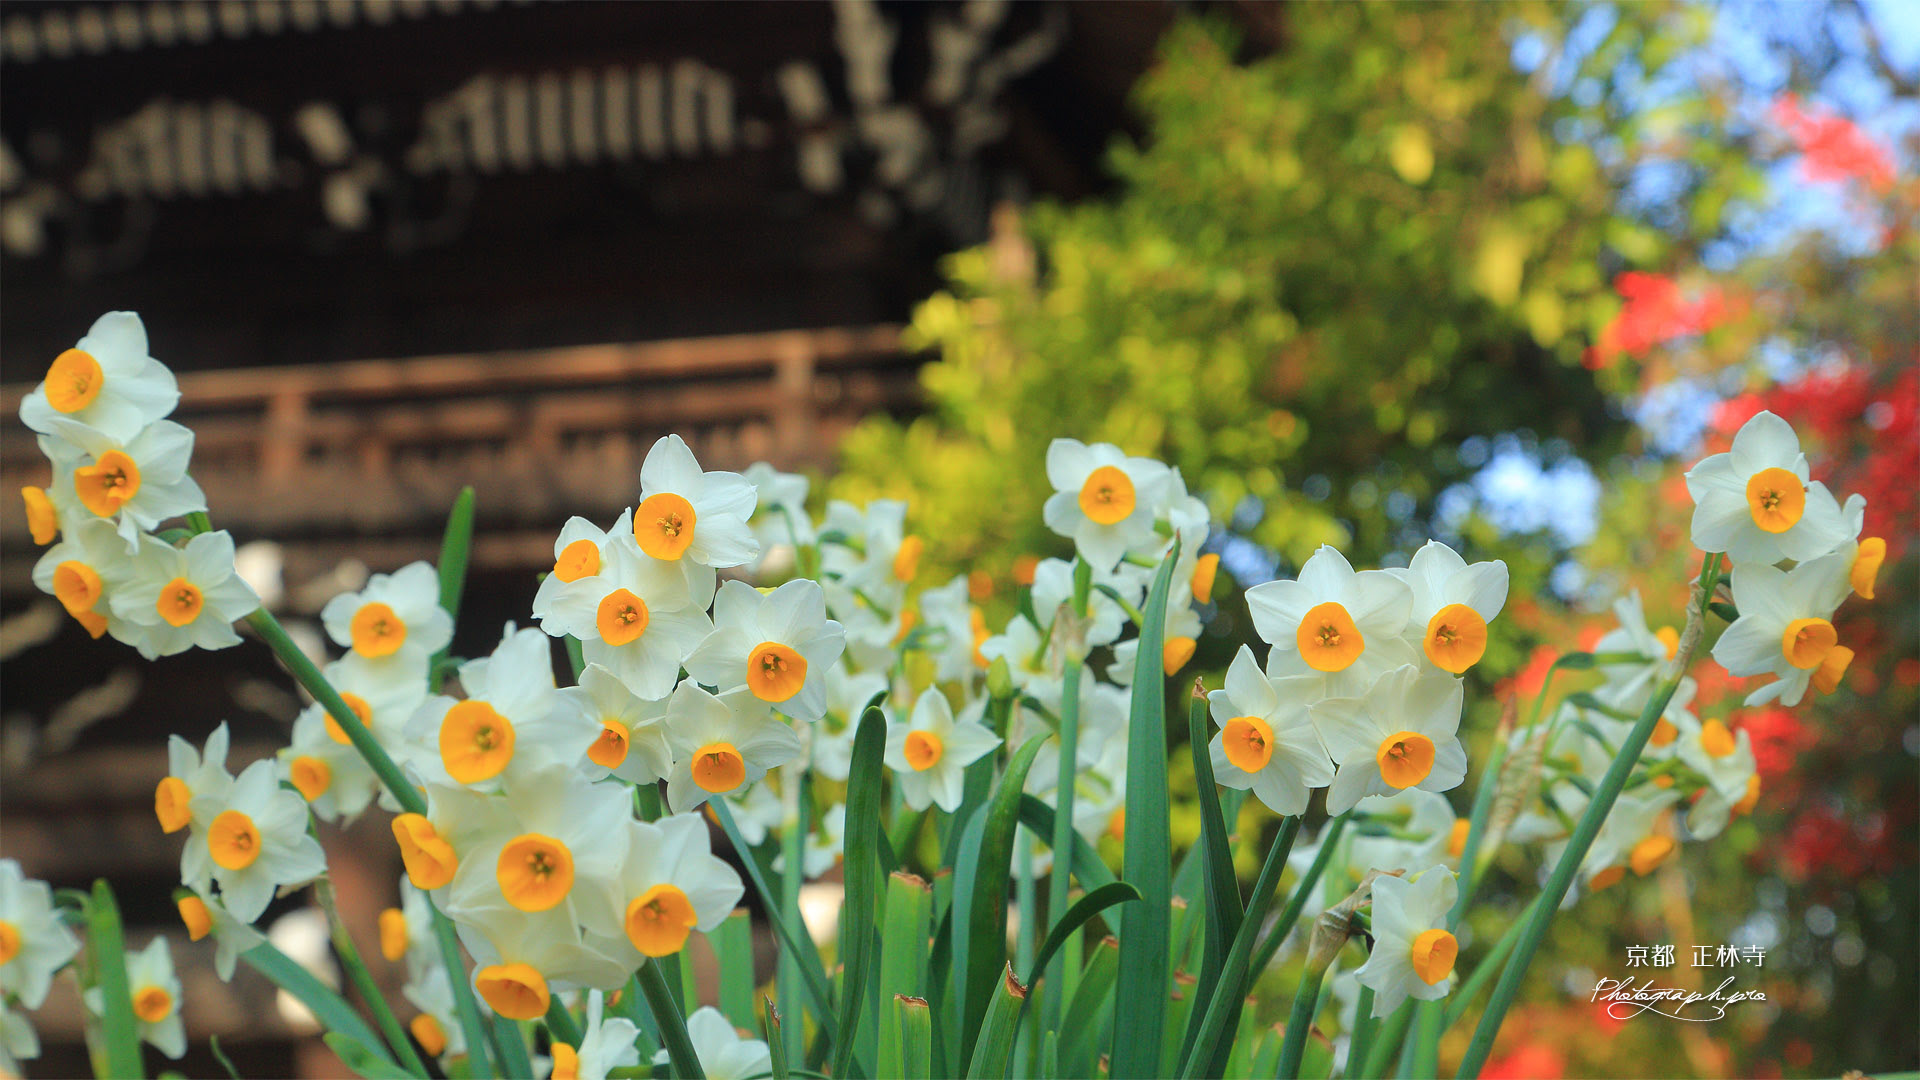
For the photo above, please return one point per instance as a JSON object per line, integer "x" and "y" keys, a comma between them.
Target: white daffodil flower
{"x": 437, "y": 1027}
{"x": 156, "y": 999}
{"x": 106, "y": 382}
{"x": 1103, "y": 500}
{"x": 1630, "y": 682}
{"x": 1865, "y": 554}
{"x": 82, "y": 571}
{"x": 780, "y": 507}
{"x": 847, "y": 696}
{"x": 1724, "y": 757}
{"x": 824, "y": 846}
{"x": 606, "y": 1044}
{"x": 876, "y": 558}
{"x": 231, "y": 936}
{"x": 1711, "y": 811}
{"x": 18, "y": 1041}
{"x": 631, "y": 732}
{"x": 693, "y": 518}
{"x": 1452, "y": 604}
{"x": 1785, "y": 628}
{"x": 395, "y": 614}
{"x": 1424, "y": 832}
{"x": 522, "y": 958}
{"x": 635, "y": 619}
{"x": 556, "y": 845}
{"x": 756, "y": 810}
{"x": 510, "y": 722}
{"x": 723, "y": 1053}
{"x": 44, "y": 518}
{"x": 778, "y": 645}
{"x": 1413, "y": 951}
{"x": 946, "y": 631}
{"x": 1103, "y": 721}
{"x": 1179, "y": 636}
{"x": 1332, "y": 619}
{"x": 581, "y": 554}
{"x": 1755, "y": 501}
{"x": 722, "y": 744}
{"x": 323, "y": 764}
{"x": 671, "y": 885}
{"x": 874, "y": 637}
{"x": 1053, "y": 587}
{"x": 1266, "y": 742}
{"x": 135, "y": 484}
{"x": 174, "y": 599}
{"x": 255, "y": 840}
{"x": 929, "y": 754}
{"x": 1402, "y": 734}
{"x": 34, "y": 943}
{"x": 191, "y": 774}
{"x": 1635, "y": 836}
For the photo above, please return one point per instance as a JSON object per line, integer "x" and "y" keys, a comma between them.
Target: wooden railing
{"x": 365, "y": 456}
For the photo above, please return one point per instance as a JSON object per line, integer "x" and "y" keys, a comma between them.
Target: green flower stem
{"x": 673, "y": 1027}
{"x": 308, "y": 676}
{"x": 1061, "y": 842}
{"x": 1300, "y": 1021}
{"x": 1392, "y": 1033}
{"x": 560, "y": 1023}
{"x": 1364, "y": 1029}
{"x": 1235, "y": 972}
{"x": 509, "y": 1046}
{"x": 1484, "y": 972}
{"x": 119, "y": 1052}
{"x": 1604, "y": 795}
{"x": 363, "y": 983}
{"x": 1329, "y": 841}
{"x": 464, "y": 1005}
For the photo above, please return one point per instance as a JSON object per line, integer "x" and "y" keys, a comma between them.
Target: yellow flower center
{"x": 664, "y": 525}
{"x": 426, "y": 1032}
{"x": 376, "y": 631}
{"x": 1747, "y": 801}
{"x": 475, "y": 742}
{"x": 775, "y": 672}
{"x": 356, "y": 705}
{"x": 1248, "y": 743}
{"x": 1670, "y": 638}
{"x": 1117, "y": 823}
{"x": 923, "y": 750}
{"x": 1205, "y": 568}
{"x": 1176, "y": 652}
{"x": 610, "y": 749}
{"x": 152, "y": 1004}
{"x": 180, "y": 602}
{"x": 1663, "y": 733}
{"x": 1457, "y": 837}
{"x": 1328, "y": 639}
{"x": 311, "y": 776}
{"x": 9, "y": 942}
{"x": 535, "y": 872}
{"x": 1606, "y": 878}
{"x": 566, "y": 1062}
{"x": 196, "y": 917}
{"x": 622, "y": 618}
{"x": 909, "y": 618}
{"x": 73, "y": 381}
{"x": 659, "y": 920}
{"x": 577, "y": 560}
{"x": 1107, "y": 496}
{"x": 77, "y": 586}
{"x": 515, "y": 991}
{"x": 1866, "y": 564}
{"x": 1776, "y": 498}
{"x": 718, "y": 768}
{"x": 1833, "y": 668}
{"x": 170, "y": 801}
{"x": 1433, "y": 954}
{"x": 42, "y": 520}
{"x": 1456, "y": 638}
{"x": 107, "y": 484}
{"x": 429, "y": 859}
{"x": 393, "y": 934}
{"x": 233, "y": 840}
{"x": 1405, "y": 758}
{"x": 1716, "y": 740}
{"x": 1805, "y": 642}
{"x": 906, "y": 561}
{"x": 1648, "y": 854}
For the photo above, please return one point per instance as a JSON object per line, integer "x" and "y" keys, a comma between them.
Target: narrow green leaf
{"x": 1300, "y": 1024}
{"x": 456, "y": 549}
{"x": 986, "y": 950}
{"x": 1080, "y": 1028}
{"x": 1215, "y": 855}
{"x": 107, "y": 943}
{"x": 1050, "y": 1056}
{"x": 328, "y": 1008}
{"x": 673, "y": 1026}
{"x": 813, "y": 976}
{"x": 1062, "y": 836}
{"x": 905, "y": 929}
{"x": 1139, "y": 1016}
{"x": 862, "y": 872}
{"x": 733, "y": 952}
{"x": 465, "y": 1006}
{"x": 1266, "y": 1058}
{"x": 776, "y": 1043}
{"x": 915, "y": 1024}
{"x": 1095, "y": 902}
{"x": 1224, "y": 999}
{"x": 1179, "y": 1006}
{"x": 1329, "y": 846}
{"x": 791, "y": 968}
{"x": 362, "y": 1059}
{"x": 993, "y": 1051}
{"x": 1039, "y": 817}
{"x": 219, "y": 1055}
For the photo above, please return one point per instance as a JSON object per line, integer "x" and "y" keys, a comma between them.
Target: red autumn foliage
{"x": 1655, "y": 311}
{"x": 1833, "y": 149}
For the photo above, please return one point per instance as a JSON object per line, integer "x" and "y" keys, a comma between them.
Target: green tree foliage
{"x": 1324, "y": 268}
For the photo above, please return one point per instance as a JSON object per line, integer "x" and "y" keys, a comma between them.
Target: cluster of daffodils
{"x": 726, "y": 645}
